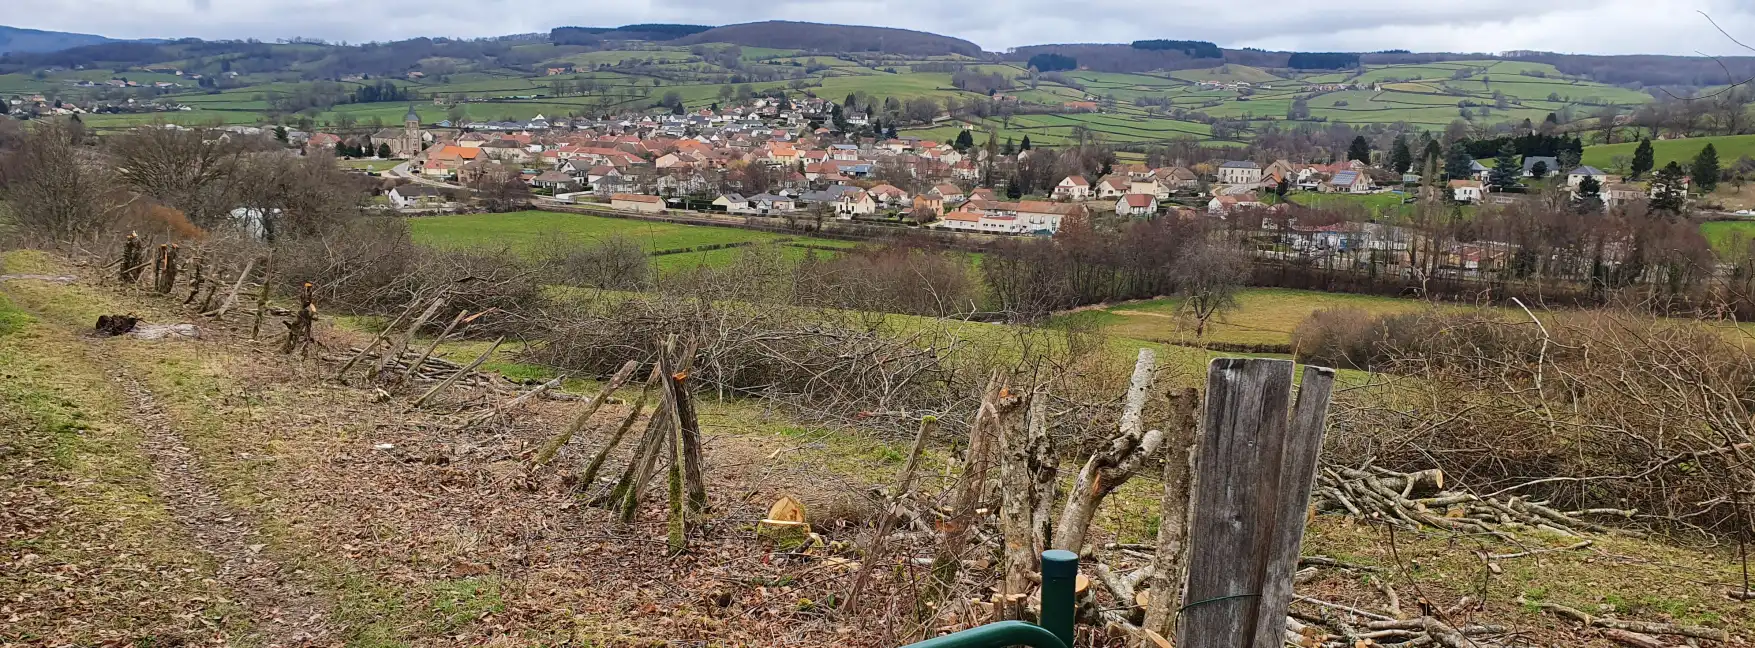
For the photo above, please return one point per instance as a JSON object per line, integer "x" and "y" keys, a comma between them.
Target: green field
{"x": 1263, "y": 316}
{"x": 526, "y": 232}
{"x": 1729, "y": 236}
{"x": 1681, "y": 151}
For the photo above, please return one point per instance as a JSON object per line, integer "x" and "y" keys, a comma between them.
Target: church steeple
{"x": 412, "y": 119}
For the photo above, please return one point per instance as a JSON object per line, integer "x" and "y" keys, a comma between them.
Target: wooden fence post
{"x": 1252, "y": 485}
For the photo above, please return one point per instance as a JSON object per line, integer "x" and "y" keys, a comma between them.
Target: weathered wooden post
{"x": 1252, "y": 489}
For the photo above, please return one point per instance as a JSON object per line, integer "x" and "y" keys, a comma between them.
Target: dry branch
{"x": 554, "y": 445}
{"x": 446, "y": 384}
{"x": 1112, "y": 465}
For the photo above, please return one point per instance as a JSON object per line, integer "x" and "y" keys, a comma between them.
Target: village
{"x": 784, "y": 160}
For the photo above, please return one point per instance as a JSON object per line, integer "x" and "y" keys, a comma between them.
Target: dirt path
{"x": 284, "y": 613}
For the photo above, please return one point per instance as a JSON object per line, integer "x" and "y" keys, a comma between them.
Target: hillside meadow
{"x": 1680, "y": 151}
{"x": 526, "y": 232}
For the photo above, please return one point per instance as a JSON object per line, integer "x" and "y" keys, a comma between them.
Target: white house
{"x": 637, "y": 203}
{"x": 1579, "y": 174}
{"x": 1349, "y": 182}
{"x": 1073, "y": 187}
{"x": 1112, "y": 187}
{"x": 1467, "y": 191}
{"x": 414, "y": 195}
{"x": 1137, "y": 204}
{"x": 855, "y": 203}
{"x": 1240, "y": 172}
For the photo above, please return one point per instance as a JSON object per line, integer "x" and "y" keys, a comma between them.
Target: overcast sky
{"x": 1575, "y": 26}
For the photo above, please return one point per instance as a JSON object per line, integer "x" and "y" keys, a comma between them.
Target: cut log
{"x": 462, "y": 317}
{"x": 1634, "y": 639}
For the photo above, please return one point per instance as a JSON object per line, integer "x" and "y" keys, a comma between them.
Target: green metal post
{"x": 1060, "y": 572}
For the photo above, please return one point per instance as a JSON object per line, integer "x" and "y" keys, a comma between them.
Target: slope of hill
{"x": 785, "y": 34}
{"x": 14, "y": 39}
{"x": 1682, "y": 151}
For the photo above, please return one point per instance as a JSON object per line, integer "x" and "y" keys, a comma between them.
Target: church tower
{"x": 412, "y": 143}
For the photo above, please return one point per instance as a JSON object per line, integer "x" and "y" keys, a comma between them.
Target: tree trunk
{"x": 954, "y": 532}
{"x": 131, "y": 259}
{"x": 1168, "y": 561}
{"x": 688, "y": 426}
{"x": 298, "y": 331}
{"x": 197, "y": 281}
{"x": 167, "y": 278}
{"x": 1027, "y": 460}
{"x": 1110, "y": 467}
{"x": 261, "y": 297}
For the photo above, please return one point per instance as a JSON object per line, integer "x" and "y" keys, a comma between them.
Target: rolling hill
{"x": 784, "y": 34}
{"x": 15, "y": 39}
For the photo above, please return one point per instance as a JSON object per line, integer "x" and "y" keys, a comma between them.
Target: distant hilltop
{"x": 780, "y": 34}
{"x": 14, "y": 39}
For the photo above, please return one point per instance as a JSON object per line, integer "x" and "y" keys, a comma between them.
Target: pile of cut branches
{"x": 1418, "y": 499}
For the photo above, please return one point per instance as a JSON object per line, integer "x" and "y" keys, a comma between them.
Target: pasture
{"x": 1263, "y": 317}
{"x": 526, "y": 233}
{"x": 1681, "y": 151}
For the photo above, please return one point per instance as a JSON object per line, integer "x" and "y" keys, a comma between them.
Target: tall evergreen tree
{"x": 279, "y": 133}
{"x": 1589, "y": 188}
{"x": 964, "y": 142}
{"x": 1360, "y": 150}
{"x": 1505, "y": 167}
{"x": 1432, "y": 153}
{"x": 1668, "y": 192}
{"x": 1025, "y": 146}
{"x": 1010, "y": 147}
{"x": 1401, "y": 158}
{"x": 1429, "y": 178}
{"x": 1705, "y": 170}
{"x": 1568, "y": 160}
{"x": 1642, "y": 158}
{"x": 384, "y": 150}
{"x": 1459, "y": 164}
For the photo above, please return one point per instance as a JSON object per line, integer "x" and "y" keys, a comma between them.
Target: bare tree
{"x": 1209, "y": 277}
{"x": 54, "y": 189}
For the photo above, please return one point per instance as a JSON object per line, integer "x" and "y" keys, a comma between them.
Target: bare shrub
{"x": 614, "y": 263}
{"x": 896, "y": 277}
{"x": 1605, "y": 409}
{"x": 54, "y": 190}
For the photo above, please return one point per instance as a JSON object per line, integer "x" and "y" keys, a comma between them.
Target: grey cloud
{"x": 1603, "y": 26}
